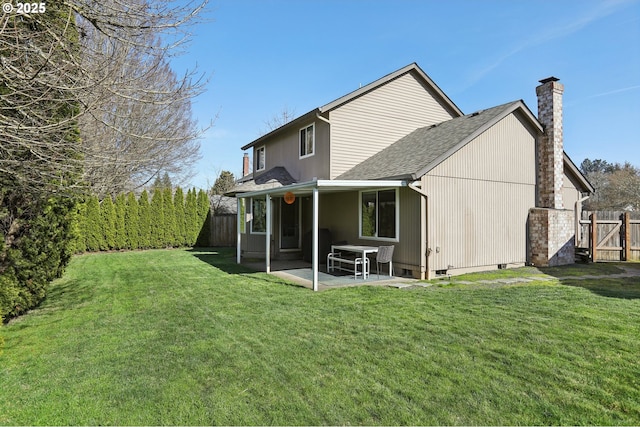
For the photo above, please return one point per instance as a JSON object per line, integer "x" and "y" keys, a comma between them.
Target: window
{"x": 307, "y": 141}
{"x": 260, "y": 158}
{"x": 258, "y": 216}
{"x": 379, "y": 214}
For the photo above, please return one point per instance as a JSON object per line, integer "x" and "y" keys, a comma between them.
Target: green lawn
{"x": 188, "y": 337}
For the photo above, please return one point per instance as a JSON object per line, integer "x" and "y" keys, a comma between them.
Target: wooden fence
{"x": 223, "y": 230}
{"x": 610, "y": 235}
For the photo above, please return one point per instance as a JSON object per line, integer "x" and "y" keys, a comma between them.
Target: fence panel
{"x": 617, "y": 238}
{"x": 223, "y": 230}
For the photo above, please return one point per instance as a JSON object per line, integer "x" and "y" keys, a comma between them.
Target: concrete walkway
{"x": 299, "y": 272}
{"x": 629, "y": 272}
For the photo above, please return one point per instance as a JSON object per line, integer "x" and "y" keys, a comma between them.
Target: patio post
{"x": 315, "y": 239}
{"x": 238, "y": 225}
{"x": 267, "y": 250}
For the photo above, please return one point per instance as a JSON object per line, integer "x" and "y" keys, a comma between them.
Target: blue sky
{"x": 265, "y": 56}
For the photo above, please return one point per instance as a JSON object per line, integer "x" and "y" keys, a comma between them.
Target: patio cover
{"x": 304, "y": 189}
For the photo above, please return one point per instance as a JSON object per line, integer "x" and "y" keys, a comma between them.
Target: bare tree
{"x": 101, "y": 67}
{"x": 616, "y": 186}
{"x": 283, "y": 117}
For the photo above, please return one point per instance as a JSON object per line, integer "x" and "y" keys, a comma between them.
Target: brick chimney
{"x": 550, "y": 145}
{"x": 245, "y": 165}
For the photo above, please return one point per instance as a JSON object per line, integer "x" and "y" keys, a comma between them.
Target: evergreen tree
{"x": 39, "y": 161}
{"x": 178, "y": 206}
{"x": 157, "y": 220}
{"x": 80, "y": 222}
{"x": 132, "y": 222}
{"x": 144, "y": 221}
{"x": 191, "y": 217}
{"x": 93, "y": 225}
{"x": 170, "y": 237}
{"x": 204, "y": 218}
{"x": 108, "y": 222}
{"x": 120, "y": 230}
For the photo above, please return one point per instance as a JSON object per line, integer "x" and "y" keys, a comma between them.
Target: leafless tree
{"x": 283, "y": 117}
{"x": 100, "y": 67}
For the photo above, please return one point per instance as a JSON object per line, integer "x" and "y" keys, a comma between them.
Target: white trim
{"x": 397, "y": 219}
{"x": 313, "y": 141}
{"x": 315, "y": 239}
{"x": 267, "y": 255}
{"x": 325, "y": 185}
{"x": 257, "y": 154}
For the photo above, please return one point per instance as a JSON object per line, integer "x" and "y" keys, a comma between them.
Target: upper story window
{"x": 307, "y": 141}
{"x": 261, "y": 159}
{"x": 379, "y": 215}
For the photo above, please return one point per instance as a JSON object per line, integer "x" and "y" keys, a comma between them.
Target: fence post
{"x": 626, "y": 236}
{"x": 593, "y": 236}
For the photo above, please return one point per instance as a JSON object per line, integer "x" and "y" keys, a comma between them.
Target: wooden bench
{"x": 336, "y": 259}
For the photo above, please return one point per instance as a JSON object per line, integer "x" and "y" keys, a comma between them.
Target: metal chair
{"x": 384, "y": 256}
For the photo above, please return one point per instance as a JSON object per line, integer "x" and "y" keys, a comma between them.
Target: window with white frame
{"x": 307, "y": 141}
{"x": 258, "y": 215}
{"x": 261, "y": 159}
{"x": 379, "y": 218}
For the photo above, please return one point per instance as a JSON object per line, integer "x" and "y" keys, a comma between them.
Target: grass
{"x": 188, "y": 337}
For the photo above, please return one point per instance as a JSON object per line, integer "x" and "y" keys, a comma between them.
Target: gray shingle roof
{"x": 421, "y": 150}
{"x": 273, "y": 178}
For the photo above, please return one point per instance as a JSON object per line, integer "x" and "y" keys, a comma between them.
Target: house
{"x": 397, "y": 162}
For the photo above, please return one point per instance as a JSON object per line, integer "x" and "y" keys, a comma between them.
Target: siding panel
{"x": 479, "y": 200}
{"x": 366, "y": 125}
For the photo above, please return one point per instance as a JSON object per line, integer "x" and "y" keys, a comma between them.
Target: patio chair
{"x": 384, "y": 256}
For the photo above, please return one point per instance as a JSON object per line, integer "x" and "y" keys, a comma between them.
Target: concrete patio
{"x": 300, "y": 272}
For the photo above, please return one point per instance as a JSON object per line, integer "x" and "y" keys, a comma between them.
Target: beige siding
{"x": 285, "y": 151}
{"x": 570, "y": 192}
{"x": 343, "y": 224}
{"x": 368, "y": 124}
{"x": 479, "y": 200}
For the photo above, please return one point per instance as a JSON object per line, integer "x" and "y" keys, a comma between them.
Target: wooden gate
{"x": 610, "y": 235}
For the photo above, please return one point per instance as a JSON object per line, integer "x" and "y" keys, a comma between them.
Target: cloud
{"x": 546, "y": 35}
{"x": 602, "y": 94}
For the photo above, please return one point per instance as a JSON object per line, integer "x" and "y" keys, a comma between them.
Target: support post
{"x": 315, "y": 239}
{"x": 593, "y": 236}
{"x": 267, "y": 248}
{"x": 626, "y": 237}
{"x": 239, "y": 220}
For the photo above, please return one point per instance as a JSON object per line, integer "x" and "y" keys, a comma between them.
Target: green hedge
{"x": 170, "y": 219}
{"x": 40, "y": 249}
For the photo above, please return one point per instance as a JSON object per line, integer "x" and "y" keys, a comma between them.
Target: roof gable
{"x": 420, "y": 151}
{"x": 411, "y": 68}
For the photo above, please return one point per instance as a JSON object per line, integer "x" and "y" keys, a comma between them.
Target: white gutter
{"x": 322, "y": 118}
{"x": 327, "y": 184}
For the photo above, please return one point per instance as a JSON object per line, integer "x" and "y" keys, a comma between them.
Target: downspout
{"x": 577, "y": 218}
{"x": 424, "y": 256}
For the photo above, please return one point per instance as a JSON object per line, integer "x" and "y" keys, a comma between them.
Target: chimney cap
{"x": 549, "y": 79}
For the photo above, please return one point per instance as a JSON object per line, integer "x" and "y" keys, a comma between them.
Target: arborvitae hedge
{"x": 144, "y": 221}
{"x": 169, "y": 220}
{"x": 132, "y": 222}
{"x": 178, "y": 205}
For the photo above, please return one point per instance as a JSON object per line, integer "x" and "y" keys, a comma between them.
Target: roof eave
{"x": 325, "y": 185}
{"x": 579, "y": 175}
{"x": 517, "y": 105}
{"x": 298, "y": 120}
